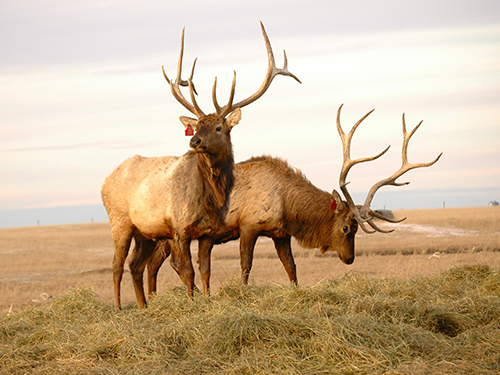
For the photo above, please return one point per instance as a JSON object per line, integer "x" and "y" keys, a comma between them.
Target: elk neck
{"x": 309, "y": 217}
{"x": 217, "y": 180}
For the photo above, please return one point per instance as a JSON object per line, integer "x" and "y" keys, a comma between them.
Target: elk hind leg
{"x": 247, "y": 246}
{"x": 161, "y": 252}
{"x": 284, "y": 250}
{"x": 141, "y": 255}
{"x": 122, "y": 236}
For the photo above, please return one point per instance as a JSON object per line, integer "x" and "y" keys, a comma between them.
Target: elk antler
{"x": 174, "y": 85}
{"x": 272, "y": 72}
{"x": 349, "y": 163}
{"x": 364, "y": 213}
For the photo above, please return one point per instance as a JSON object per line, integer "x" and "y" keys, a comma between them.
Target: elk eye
{"x": 345, "y": 229}
{"x": 218, "y": 129}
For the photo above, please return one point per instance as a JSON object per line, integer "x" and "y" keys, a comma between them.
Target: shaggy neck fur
{"x": 310, "y": 216}
{"x": 217, "y": 180}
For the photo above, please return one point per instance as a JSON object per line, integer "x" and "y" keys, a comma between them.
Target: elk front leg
{"x": 205, "y": 245}
{"x": 174, "y": 262}
{"x": 284, "y": 250}
{"x": 247, "y": 245}
{"x": 181, "y": 256}
{"x": 143, "y": 250}
{"x": 161, "y": 252}
{"x": 122, "y": 236}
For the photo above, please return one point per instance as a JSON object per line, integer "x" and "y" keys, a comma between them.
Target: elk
{"x": 272, "y": 199}
{"x": 181, "y": 198}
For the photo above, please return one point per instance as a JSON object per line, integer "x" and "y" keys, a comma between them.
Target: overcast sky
{"x": 81, "y": 90}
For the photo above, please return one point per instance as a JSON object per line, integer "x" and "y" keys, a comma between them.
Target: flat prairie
{"x": 39, "y": 263}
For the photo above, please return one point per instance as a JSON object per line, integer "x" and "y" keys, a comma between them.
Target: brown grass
{"x": 56, "y": 259}
{"x": 449, "y": 324}
{"x": 397, "y": 310}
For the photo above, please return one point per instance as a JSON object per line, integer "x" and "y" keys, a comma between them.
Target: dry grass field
{"x": 422, "y": 300}
{"x": 38, "y": 264}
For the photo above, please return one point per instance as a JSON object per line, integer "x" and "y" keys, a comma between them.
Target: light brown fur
{"x": 271, "y": 198}
{"x": 179, "y": 198}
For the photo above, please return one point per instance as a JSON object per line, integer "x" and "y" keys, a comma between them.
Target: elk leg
{"x": 284, "y": 250}
{"x": 205, "y": 245}
{"x": 182, "y": 257}
{"x": 247, "y": 245}
{"x": 143, "y": 250}
{"x": 174, "y": 262}
{"x": 161, "y": 252}
{"x": 122, "y": 236}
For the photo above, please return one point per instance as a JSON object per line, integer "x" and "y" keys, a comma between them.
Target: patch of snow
{"x": 427, "y": 230}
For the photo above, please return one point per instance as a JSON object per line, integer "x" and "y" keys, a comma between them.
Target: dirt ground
{"x": 40, "y": 263}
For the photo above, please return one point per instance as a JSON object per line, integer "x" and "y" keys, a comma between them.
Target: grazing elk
{"x": 179, "y": 198}
{"x": 272, "y": 199}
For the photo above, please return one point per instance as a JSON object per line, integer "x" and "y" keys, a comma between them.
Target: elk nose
{"x": 195, "y": 142}
{"x": 349, "y": 261}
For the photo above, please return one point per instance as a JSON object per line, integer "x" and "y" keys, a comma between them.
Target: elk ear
{"x": 234, "y": 118}
{"x": 189, "y": 122}
{"x": 337, "y": 204}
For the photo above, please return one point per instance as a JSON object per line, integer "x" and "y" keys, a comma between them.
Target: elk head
{"x": 344, "y": 228}
{"x": 364, "y": 214}
{"x": 212, "y": 135}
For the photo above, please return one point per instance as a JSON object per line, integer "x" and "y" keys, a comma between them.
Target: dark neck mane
{"x": 310, "y": 218}
{"x": 217, "y": 182}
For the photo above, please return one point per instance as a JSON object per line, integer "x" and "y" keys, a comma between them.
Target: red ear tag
{"x": 189, "y": 131}
{"x": 334, "y": 205}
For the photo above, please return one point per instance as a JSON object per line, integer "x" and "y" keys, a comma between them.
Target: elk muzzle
{"x": 348, "y": 261}
{"x": 196, "y": 144}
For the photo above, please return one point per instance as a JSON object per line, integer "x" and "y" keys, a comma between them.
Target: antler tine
{"x": 377, "y": 229}
{"x": 382, "y": 217}
{"x": 174, "y": 85}
{"x": 374, "y": 226}
{"x": 346, "y": 144}
{"x": 181, "y": 56}
{"x": 361, "y": 223}
{"x": 348, "y": 163}
{"x": 272, "y": 72}
{"x": 218, "y": 109}
{"x": 197, "y": 109}
{"x": 405, "y": 167}
{"x": 185, "y": 83}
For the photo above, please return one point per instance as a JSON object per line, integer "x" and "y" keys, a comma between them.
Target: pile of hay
{"x": 444, "y": 325}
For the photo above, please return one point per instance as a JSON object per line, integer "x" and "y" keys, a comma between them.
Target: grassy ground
{"x": 422, "y": 300}
{"x": 39, "y": 262}
{"x": 446, "y": 324}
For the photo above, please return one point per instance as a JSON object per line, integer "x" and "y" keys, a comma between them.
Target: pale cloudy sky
{"x": 81, "y": 90}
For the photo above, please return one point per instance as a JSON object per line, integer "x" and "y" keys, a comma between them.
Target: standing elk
{"x": 178, "y": 198}
{"x": 272, "y": 199}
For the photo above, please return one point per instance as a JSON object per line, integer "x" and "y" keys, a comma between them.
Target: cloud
{"x": 83, "y": 146}
{"x": 82, "y": 88}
